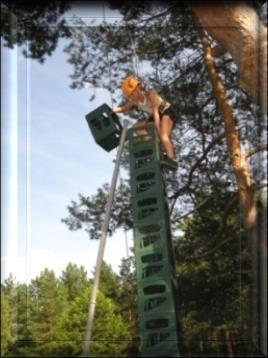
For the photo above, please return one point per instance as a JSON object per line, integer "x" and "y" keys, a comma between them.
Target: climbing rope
{"x": 108, "y": 58}
{"x": 135, "y": 58}
{"x": 112, "y": 102}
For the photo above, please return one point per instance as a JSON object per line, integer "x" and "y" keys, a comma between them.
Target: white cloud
{"x": 15, "y": 265}
{"x": 50, "y": 244}
{"x": 24, "y": 269}
{"x": 41, "y": 258}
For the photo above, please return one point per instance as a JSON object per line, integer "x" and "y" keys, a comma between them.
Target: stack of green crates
{"x": 158, "y": 314}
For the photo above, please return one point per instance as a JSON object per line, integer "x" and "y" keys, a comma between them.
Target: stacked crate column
{"x": 152, "y": 246}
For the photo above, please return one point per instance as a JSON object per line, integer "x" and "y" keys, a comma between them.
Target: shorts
{"x": 169, "y": 112}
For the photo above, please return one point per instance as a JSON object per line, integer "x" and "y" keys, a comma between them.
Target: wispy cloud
{"x": 26, "y": 268}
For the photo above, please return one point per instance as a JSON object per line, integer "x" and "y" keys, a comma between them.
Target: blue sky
{"x": 48, "y": 157}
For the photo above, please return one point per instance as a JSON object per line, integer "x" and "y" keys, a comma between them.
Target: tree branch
{"x": 164, "y": 13}
{"x": 193, "y": 210}
{"x": 218, "y": 234}
{"x": 257, "y": 149}
{"x": 197, "y": 163}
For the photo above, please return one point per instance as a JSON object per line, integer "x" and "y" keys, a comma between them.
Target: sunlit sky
{"x": 48, "y": 157}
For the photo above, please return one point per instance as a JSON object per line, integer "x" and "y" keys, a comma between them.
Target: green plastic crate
{"x": 105, "y": 127}
{"x": 147, "y": 273}
{"x": 135, "y": 140}
{"x": 155, "y": 304}
{"x": 149, "y": 208}
{"x": 160, "y": 335}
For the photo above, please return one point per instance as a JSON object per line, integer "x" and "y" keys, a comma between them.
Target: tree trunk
{"x": 238, "y": 158}
{"x": 238, "y": 29}
{"x": 229, "y": 344}
{"x": 247, "y": 199}
{"x": 201, "y": 346}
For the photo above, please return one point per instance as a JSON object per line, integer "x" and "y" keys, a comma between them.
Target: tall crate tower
{"x": 157, "y": 297}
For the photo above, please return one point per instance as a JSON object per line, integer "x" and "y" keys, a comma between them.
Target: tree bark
{"x": 229, "y": 344}
{"x": 237, "y": 28}
{"x": 238, "y": 157}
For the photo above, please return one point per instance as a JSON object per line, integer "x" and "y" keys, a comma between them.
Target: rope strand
{"x": 108, "y": 58}
{"x": 135, "y": 59}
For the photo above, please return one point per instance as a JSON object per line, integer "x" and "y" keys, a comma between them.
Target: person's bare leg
{"x": 165, "y": 130}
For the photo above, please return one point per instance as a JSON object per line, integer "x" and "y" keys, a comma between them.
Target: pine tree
{"x": 5, "y": 325}
{"x": 75, "y": 280}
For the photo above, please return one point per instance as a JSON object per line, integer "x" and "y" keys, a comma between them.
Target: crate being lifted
{"x": 105, "y": 127}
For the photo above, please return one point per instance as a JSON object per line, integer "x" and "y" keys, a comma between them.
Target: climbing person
{"x": 159, "y": 110}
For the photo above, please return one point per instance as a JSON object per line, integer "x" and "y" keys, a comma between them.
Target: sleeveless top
{"x": 146, "y": 104}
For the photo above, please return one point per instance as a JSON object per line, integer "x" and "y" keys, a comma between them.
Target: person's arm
{"x": 153, "y": 100}
{"x": 123, "y": 108}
